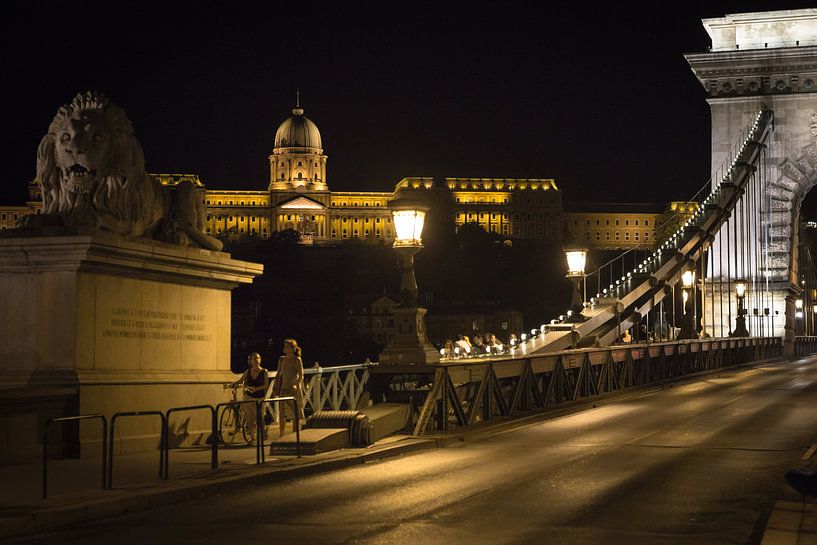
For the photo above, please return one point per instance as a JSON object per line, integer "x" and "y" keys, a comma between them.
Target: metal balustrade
{"x": 330, "y": 388}
{"x": 461, "y": 394}
{"x": 805, "y": 345}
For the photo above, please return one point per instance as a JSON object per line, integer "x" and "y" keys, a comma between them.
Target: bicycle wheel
{"x": 228, "y": 425}
{"x": 244, "y": 425}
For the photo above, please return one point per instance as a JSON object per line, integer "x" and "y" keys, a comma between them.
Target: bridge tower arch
{"x": 767, "y": 60}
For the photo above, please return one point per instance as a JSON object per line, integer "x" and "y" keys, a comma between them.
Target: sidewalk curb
{"x": 127, "y": 501}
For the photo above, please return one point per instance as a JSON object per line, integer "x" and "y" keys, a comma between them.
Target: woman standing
{"x": 255, "y": 381}
{"x": 290, "y": 382}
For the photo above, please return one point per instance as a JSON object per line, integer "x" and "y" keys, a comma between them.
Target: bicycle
{"x": 232, "y": 422}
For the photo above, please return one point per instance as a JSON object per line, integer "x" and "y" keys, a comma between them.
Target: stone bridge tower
{"x": 767, "y": 59}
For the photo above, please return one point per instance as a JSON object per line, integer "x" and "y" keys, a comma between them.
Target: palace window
{"x": 636, "y": 222}
{"x": 626, "y": 222}
{"x": 618, "y": 235}
{"x": 646, "y": 223}
{"x": 626, "y": 235}
{"x": 617, "y": 223}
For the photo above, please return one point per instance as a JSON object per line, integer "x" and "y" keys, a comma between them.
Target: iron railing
{"x": 461, "y": 394}
{"x": 805, "y": 345}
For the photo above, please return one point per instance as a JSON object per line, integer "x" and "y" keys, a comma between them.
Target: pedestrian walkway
{"x": 792, "y": 523}
{"x": 75, "y": 493}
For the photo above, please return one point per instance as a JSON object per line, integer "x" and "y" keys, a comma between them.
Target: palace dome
{"x": 298, "y": 131}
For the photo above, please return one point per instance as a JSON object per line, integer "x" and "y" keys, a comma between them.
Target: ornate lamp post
{"x": 409, "y": 344}
{"x": 576, "y": 261}
{"x": 688, "y": 296}
{"x": 740, "y": 321}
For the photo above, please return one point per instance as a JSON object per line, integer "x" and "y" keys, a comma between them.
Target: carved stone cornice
{"x": 112, "y": 254}
{"x": 760, "y": 71}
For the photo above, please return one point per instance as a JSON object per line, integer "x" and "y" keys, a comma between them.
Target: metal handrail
{"x": 213, "y": 435}
{"x": 259, "y": 454}
{"x": 71, "y": 419}
{"x": 162, "y": 441}
{"x": 296, "y": 412}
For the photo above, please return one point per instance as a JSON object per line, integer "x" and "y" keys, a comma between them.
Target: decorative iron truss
{"x": 459, "y": 395}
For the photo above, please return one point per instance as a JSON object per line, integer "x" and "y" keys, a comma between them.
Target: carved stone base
{"x": 98, "y": 323}
{"x": 410, "y": 346}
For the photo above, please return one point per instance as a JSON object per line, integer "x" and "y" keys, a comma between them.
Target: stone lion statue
{"x": 91, "y": 170}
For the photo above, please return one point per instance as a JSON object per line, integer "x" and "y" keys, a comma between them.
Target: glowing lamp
{"x": 798, "y": 304}
{"x": 740, "y": 288}
{"x": 688, "y": 279}
{"x": 576, "y": 261}
{"x": 408, "y": 224}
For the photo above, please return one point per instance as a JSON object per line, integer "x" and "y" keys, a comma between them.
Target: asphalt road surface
{"x": 697, "y": 463}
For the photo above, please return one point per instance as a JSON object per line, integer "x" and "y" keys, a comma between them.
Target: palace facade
{"x": 297, "y": 196}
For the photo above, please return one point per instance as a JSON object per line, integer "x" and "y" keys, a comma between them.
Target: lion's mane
{"x": 124, "y": 190}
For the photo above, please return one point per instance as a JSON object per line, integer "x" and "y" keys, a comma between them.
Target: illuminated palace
{"x": 298, "y": 197}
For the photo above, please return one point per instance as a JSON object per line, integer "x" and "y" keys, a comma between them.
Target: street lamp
{"x": 740, "y": 321}
{"x": 576, "y": 261}
{"x": 409, "y": 344}
{"x": 688, "y": 322}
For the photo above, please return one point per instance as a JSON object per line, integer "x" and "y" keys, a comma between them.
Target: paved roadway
{"x": 698, "y": 463}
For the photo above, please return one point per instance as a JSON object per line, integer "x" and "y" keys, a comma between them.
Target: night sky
{"x": 601, "y": 99}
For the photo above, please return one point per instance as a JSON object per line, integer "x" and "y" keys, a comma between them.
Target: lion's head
{"x": 90, "y": 161}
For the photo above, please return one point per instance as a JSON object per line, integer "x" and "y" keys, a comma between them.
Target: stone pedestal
{"x": 720, "y": 306}
{"x": 410, "y": 346}
{"x": 98, "y": 323}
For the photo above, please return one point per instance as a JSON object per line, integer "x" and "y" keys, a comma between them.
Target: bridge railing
{"x": 462, "y": 394}
{"x": 330, "y": 388}
{"x": 805, "y": 345}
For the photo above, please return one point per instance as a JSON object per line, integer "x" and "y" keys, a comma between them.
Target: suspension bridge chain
{"x": 730, "y": 217}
